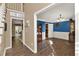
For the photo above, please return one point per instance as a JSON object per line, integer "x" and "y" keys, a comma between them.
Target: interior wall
{"x": 12, "y": 6}
{"x": 2, "y": 39}
{"x": 61, "y": 35}
{"x": 56, "y": 34}
{"x": 15, "y": 6}
{"x": 62, "y": 30}
{"x": 29, "y": 9}
{"x": 66, "y": 9}
{"x": 7, "y": 33}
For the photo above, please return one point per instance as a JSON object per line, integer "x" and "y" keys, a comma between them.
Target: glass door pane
{"x": 18, "y": 32}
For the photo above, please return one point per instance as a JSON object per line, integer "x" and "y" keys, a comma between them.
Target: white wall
{"x": 77, "y": 29}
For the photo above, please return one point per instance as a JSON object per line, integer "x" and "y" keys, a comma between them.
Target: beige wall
{"x": 29, "y": 10}
{"x": 8, "y": 29}
{"x": 15, "y": 6}
{"x": 3, "y": 45}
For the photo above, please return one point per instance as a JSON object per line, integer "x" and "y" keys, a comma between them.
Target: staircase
{"x": 2, "y": 16}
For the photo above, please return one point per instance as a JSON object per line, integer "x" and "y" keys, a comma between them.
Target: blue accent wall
{"x": 42, "y": 23}
{"x": 61, "y": 26}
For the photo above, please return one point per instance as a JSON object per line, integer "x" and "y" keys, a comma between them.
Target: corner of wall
{"x": 29, "y": 48}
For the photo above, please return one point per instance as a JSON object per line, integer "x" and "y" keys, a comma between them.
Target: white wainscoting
{"x": 61, "y": 35}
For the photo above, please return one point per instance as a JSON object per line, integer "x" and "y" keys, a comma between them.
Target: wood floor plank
{"x": 59, "y": 48}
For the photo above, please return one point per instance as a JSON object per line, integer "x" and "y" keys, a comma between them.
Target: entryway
{"x": 17, "y": 30}
{"x": 39, "y": 36}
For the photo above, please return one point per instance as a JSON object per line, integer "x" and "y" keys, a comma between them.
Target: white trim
{"x": 43, "y": 9}
{"x": 15, "y": 11}
{"x": 23, "y": 30}
{"x": 76, "y": 48}
{"x": 29, "y": 48}
{"x": 61, "y": 35}
{"x": 35, "y": 25}
{"x": 12, "y": 17}
{"x": 11, "y": 32}
{"x": 52, "y": 21}
{"x": 6, "y": 50}
{"x": 43, "y": 36}
{"x": 35, "y": 32}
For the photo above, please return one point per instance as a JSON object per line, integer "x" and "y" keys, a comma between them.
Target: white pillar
{"x": 77, "y": 28}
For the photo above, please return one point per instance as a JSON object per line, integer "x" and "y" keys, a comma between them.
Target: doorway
{"x": 72, "y": 31}
{"x": 17, "y": 32}
{"x": 39, "y": 37}
{"x": 46, "y": 31}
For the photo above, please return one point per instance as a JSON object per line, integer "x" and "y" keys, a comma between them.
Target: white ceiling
{"x": 66, "y": 9}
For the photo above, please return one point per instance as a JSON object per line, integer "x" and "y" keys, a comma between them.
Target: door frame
{"x": 41, "y": 32}
{"x": 17, "y": 18}
{"x": 46, "y": 35}
{"x": 35, "y": 24}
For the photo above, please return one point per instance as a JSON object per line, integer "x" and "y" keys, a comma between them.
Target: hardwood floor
{"x": 58, "y": 47}
{"x": 63, "y": 47}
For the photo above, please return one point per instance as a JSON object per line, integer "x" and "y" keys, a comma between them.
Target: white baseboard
{"x": 5, "y": 50}
{"x": 24, "y": 44}
{"x": 76, "y": 48}
{"x": 29, "y": 48}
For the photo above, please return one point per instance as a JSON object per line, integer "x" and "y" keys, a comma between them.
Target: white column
{"x": 77, "y": 29}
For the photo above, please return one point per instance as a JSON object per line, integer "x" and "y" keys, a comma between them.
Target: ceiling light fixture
{"x": 60, "y": 18}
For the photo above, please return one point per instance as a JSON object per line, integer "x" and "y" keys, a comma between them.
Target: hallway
{"x": 18, "y": 49}
{"x": 60, "y": 48}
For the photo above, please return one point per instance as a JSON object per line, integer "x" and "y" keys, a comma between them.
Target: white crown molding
{"x": 15, "y": 13}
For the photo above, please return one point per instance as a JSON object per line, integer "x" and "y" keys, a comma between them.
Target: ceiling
{"x": 67, "y": 10}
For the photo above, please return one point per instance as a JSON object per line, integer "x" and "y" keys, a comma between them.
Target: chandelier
{"x": 60, "y": 18}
